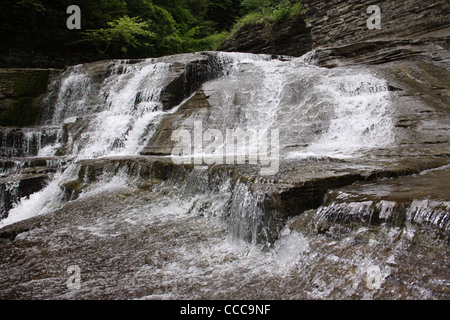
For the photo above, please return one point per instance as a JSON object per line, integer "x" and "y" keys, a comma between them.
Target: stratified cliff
{"x": 340, "y": 22}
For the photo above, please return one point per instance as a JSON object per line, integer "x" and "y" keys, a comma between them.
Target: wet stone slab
{"x": 154, "y": 244}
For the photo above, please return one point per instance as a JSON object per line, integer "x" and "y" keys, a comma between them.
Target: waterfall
{"x": 149, "y": 227}
{"x": 343, "y": 110}
{"x": 112, "y": 109}
{"x": 116, "y": 113}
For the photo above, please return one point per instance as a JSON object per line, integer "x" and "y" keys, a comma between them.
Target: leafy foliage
{"x": 162, "y": 27}
{"x": 121, "y": 34}
{"x": 251, "y": 5}
{"x": 269, "y": 15}
{"x": 133, "y": 28}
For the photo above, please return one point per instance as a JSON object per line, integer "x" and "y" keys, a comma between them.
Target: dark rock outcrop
{"x": 188, "y": 76}
{"x": 12, "y": 191}
{"x": 291, "y": 38}
{"x": 394, "y": 202}
{"x": 20, "y": 142}
{"x": 161, "y": 143}
{"x": 377, "y": 52}
{"x": 21, "y": 95}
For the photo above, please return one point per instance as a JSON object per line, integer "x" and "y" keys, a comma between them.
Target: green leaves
{"x": 126, "y": 30}
{"x": 211, "y": 42}
{"x": 133, "y": 28}
{"x": 35, "y": 5}
{"x": 122, "y": 33}
{"x": 173, "y": 26}
{"x": 155, "y": 28}
{"x": 252, "y": 5}
{"x": 268, "y": 16}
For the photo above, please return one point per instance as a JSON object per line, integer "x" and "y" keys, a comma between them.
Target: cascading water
{"x": 117, "y": 112}
{"x": 197, "y": 230}
{"x": 17, "y": 143}
{"x": 361, "y": 119}
{"x": 113, "y": 116}
{"x": 319, "y": 112}
{"x": 112, "y": 109}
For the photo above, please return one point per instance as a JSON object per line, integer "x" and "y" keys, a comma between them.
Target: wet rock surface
{"x": 421, "y": 199}
{"x": 26, "y": 142}
{"x": 157, "y": 243}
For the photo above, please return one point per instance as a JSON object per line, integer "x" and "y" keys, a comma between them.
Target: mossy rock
{"x": 30, "y": 83}
{"x": 20, "y": 112}
{"x": 21, "y": 95}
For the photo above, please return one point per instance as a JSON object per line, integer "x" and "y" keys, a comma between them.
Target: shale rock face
{"x": 291, "y": 38}
{"x": 339, "y": 23}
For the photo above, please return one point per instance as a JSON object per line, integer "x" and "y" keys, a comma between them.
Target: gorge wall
{"x": 339, "y": 22}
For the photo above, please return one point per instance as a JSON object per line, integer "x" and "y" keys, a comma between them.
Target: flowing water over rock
{"x": 359, "y": 183}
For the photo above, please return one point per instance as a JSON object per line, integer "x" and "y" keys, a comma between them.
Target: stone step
{"x": 420, "y": 199}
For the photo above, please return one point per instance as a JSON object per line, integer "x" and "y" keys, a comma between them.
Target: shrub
{"x": 209, "y": 43}
{"x": 268, "y": 16}
{"x": 122, "y": 33}
{"x": 251, "y": 5}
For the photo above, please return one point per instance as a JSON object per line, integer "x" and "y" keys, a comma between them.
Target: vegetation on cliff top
{"x": 161, "y": 28}
{"x": 134, "y": 28}
{"x": 265, "y": 13}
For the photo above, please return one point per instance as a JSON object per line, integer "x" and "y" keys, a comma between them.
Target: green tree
{"x": 124, "y": 28}
{"x": 122, "y": 34}
{"x": 268, "y": 16}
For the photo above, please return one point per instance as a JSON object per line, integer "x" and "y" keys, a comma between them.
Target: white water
{"x": 349, "y": 107}
{"x": 172, "y": 243}
{"x": 119, "y": 112}
{"x": 359, "y": 117}
{"x": 319, "y": 112}
{"x": 44, "y": 201}
{"x": 339, "y": 113}
{"x": 361, "y": 114}
{"x": 117, "y": 123}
